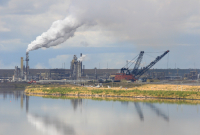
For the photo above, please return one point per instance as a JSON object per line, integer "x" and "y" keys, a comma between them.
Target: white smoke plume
{"x": 125, "y": 21}
{"x": 82, "y": 58}
{"x": 58, "y": 33}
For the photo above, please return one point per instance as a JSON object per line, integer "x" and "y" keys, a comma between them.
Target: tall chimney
{"x": 22, "y": 66}
{"x": 27, "y": 65}
{"x": 81, "y": 65}
{"x": 83, "y": 69}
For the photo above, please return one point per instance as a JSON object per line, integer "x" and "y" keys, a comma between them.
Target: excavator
{"x": 136, "y": 73}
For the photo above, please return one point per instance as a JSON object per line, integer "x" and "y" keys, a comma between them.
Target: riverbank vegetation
{"x": 125, "y": 99}
{"x": 143, "y": 91}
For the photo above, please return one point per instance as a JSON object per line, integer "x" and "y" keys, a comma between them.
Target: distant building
{"x": 76, "y": 68}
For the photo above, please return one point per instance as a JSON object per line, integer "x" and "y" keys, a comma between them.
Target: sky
{"x": 111, "y": 32}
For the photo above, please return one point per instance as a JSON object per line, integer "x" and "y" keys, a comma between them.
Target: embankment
{"x": 145, "y": 91}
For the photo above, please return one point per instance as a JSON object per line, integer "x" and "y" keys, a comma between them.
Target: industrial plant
{"x": 77, "y": 72}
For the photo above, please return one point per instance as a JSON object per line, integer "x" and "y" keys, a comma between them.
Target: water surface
{"x": 22, "y": 114}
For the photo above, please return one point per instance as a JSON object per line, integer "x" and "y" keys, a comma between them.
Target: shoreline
{"x": 145, "y": 91}
{"x": 107, "y": 96}
{"x": 122, "y": 99}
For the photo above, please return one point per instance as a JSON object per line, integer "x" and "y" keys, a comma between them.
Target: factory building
{"x": 76, "y": 68}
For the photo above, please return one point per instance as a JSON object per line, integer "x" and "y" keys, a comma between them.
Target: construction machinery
{"x": 32, "y": 82}
{"x": 136, "y": 73}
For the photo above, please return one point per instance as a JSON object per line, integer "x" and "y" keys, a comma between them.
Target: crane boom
{"x": 138, "y": 62}
{"x": 145, "y": 69}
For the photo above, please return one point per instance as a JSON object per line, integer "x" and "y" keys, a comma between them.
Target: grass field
{"x": 149, "y": 90}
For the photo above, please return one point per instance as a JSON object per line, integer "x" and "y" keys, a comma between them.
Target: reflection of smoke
{"x": 139, "y": 111}
{"x": 50, "y": 126}
{"x": 76, "y": 102}
{"x": 158, "y": 111}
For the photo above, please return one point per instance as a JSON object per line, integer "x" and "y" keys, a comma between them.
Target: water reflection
{"x": 11, "y": 94}
{"x": 155, "y": 109}
{"x": 27, "y": 103}
{"x": 125, "y": 103}
{"x": 50, "y": 125}
{"x": 139, "y": 111}
{"x": 76, "y": 102}
{"x": 16, "y": 95}
{"x": 158, "y": 111}
{"x": 51, "y": 116}
{"x": 45, "y": 124}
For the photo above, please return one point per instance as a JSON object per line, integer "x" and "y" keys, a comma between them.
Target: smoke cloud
{"x": 82, "y": 58}
{"x": 58, "y": 33}
{"x": 160, "y": 24}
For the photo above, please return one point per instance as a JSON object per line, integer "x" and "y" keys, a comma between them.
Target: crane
{"x": 138, "y": 62}
{"x": 135, "y": 74}
{"x": 145, "y": 69}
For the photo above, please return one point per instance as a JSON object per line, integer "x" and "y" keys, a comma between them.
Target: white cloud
{"x": 27, "y": 19}
{"x": 2, "y": 27}
{"x": 143, "y": 23}
{"x": 59, "y": 61}
{"x": 107, "y": 60}
{"x": 40, "y": 66}
{"x": 33, "y": 7}
{"x": 11, "y": 45}
{"x": 146, "y": 23}
{"x": 8, "y": 66}
{"x": 91, "y": 38}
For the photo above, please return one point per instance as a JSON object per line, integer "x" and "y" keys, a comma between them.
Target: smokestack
{"x": 83, "y": 69}
{"x": 81, "y": 64}
{"x": 27, "y": 65}
{"x": 95, "y": 73}
{"x": 22, "y": 66}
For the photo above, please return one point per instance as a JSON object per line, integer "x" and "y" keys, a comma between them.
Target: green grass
{"x": 100, "y": 91}
{"x": 58, "y": 90}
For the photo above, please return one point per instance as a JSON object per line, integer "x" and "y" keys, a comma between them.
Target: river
{"x": 30, "y": 115}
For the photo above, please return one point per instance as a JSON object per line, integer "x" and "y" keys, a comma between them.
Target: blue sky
{"x": 114, "y": 31}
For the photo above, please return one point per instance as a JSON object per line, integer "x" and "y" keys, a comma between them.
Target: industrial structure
{"x": 75, "y": 72}
{"x": 193, "y": 75}
{"x": 78, "y": 72}
{"x": 22, "y": 67}
{"x": 76, "y": 68}
{"x": 136, "y": 73}
{"x": 27, "y": 66}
